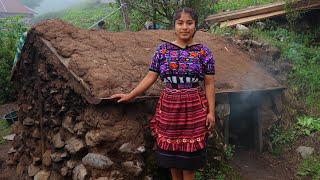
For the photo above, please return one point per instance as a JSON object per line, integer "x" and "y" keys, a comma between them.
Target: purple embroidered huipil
{"x": 178, "y": 65}
{"x": 179, "y": 123}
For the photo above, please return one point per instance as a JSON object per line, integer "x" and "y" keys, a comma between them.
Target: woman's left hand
{"x": 210, "y": 122}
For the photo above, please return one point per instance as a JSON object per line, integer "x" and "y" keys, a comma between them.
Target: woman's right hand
{"x": 121, "y": 97}
{"x": 146, "y": 82}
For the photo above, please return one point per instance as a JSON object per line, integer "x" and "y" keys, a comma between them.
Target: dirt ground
{"x": 250, "y": 165}
{"x": 6, "y": 173}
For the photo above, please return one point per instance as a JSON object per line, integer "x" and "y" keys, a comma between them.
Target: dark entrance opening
{"x": 244, "y": 126}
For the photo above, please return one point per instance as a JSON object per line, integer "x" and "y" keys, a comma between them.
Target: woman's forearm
{"x": 144, "y": 85}
{"x": 210, "y": 92}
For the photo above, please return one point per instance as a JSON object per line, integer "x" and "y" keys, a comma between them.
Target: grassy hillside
{"x": 298, "y": 49}
{"x": 85, "y": 15}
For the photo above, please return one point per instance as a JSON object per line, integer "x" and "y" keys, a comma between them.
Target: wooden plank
{"x": 245, "y": 12}
{"x": 281, "y": 88}
{"x": 226, "y": 13}
{"x": 264, "y": 16}
{"x": 251, "y": 19}
{"x": 257, "y": 10}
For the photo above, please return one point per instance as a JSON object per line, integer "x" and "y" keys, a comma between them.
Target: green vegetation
{"x": 161, "y": 12}
{"x": 239, "y": 4}
{"x": 299, "y": 49}
{"x": 310, "y": 167}
{"x": 10, "y": 31}
{"x": 5, "y": 130}
{"x": 309, "y": 124}
{"x": 304, "y": 126}
{"x": 296, "y": 47}
{"x": 216, "y": 173}
{"x": 230, "y": 151}
{"x": 86, "y": 14}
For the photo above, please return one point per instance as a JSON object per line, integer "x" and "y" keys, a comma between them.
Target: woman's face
{"x": 185, "y": 27}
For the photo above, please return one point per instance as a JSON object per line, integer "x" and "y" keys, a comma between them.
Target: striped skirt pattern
{"x": 179, "y": 123}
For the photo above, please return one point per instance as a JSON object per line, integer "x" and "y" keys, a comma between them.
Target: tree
{"x": 161, "y": 11}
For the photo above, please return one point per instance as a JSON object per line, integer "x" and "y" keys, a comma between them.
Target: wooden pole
{"x": 124, "y": 11}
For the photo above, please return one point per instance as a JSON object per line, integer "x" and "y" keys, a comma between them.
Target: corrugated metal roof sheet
{"x": 14, "y": 6}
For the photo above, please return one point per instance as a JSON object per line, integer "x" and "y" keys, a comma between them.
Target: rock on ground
{"x": 74, "y": 145}
{"x": 97, "y": 161}
{"x": 134, "y": 167}
{"x": 57, "y": 142}
{"x": 42, "y": 175}
{"x": 305, "y": 151}
{"x": 79, "y": 172}
{"x": 33, "y": 170}
{"x": 9, "y": 137}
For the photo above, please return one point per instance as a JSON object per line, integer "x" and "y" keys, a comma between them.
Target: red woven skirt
{"x": 180, "y": 120}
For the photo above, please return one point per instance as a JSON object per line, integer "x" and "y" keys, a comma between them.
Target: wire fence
{"x": 110, "y": 14}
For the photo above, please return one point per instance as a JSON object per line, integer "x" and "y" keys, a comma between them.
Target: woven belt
{"x": 182, "y": 86}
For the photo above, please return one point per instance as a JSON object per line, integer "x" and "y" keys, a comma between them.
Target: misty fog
{"x": 56, "y": 5}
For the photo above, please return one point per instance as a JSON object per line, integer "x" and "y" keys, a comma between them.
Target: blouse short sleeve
{"x": 208, "y": 61}
{"x": 155, "y": 61}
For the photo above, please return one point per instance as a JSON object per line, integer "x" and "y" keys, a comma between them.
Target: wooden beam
{"x": 264, "y": 16}
{"x": 251, "y": 11}
{"x": 259, "y": 10}
{"x": 251, "y": 19}
{"x": 279, "y": 88}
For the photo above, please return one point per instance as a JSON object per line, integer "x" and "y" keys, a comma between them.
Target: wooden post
{"x": 226, "y": 131}
{"x": 258, "y": 138}
{"x": 223, "y": 115}
{"x": 124, "y": 11}
{"x": 258, "y": 130}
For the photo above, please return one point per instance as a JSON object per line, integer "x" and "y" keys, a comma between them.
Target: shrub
{"x": 10, "y": 31}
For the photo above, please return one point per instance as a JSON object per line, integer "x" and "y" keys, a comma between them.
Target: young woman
{"x": 184, "y": 113}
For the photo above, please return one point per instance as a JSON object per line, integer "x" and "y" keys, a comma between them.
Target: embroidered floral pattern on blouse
{"x": 182, "y": 65}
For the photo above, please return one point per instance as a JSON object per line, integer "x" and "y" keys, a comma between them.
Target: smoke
{"x": 57, "y": 5}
